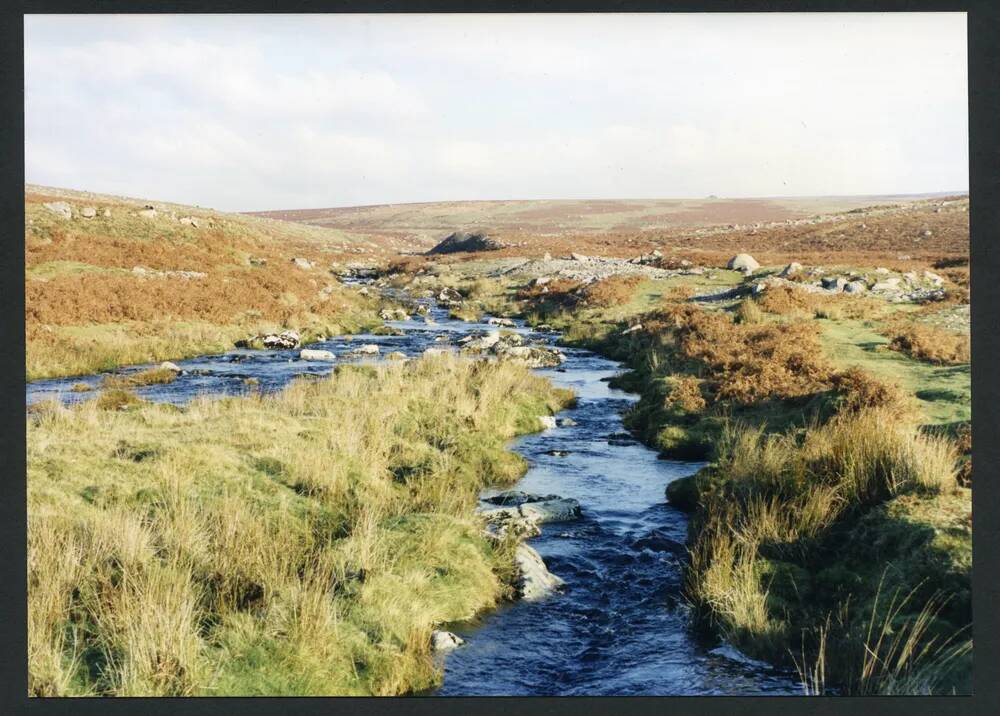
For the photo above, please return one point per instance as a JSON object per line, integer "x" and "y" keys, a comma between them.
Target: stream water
{"x": 619, "y": 626}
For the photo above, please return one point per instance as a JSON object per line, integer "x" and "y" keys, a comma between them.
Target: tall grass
{"x": 772, "y": 499}
{"x": 300, "y": 543}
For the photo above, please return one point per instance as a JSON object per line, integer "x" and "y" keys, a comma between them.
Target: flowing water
{"x": 619, "y": 626}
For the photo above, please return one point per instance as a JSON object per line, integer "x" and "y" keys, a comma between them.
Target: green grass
{"x": 51, "y": 269}
{"x": 302, "y": 543}
{"x": 942, "y": 392}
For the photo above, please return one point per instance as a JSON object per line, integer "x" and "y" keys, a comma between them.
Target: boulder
{"x": 286, "y": 340}
{"x": 445, "y": 641}
{"x": 565, "y": 422}
{"x": 933, "y": 278}
{"x": 393, "y": 314}
{"x": 578, "y": 257}
{"x": 449, "y": 295}
{"x": 547, "y": 256}
{"x": 60, "y": 208}
{"x": 147, "y": 213}
{"x": 167, "y": 365}
{"x": 503, "y": 322}
{"x": 531, "y": 356}
{"x": 189, "y": 221}
{"x": 472, "y": 344}
{"x": 466, "y": 241}
{"x": 833, "y": 283}
{"x": 855, "y": 287}
{"x": 106, "y": 213}
{"x": 791, "y": 269}
{"x": 534, "y": 580}
{"x": 303, "y": 263}
{"x": 368, "y": 349}
{"x": 562, "y": 509}
{"x": 436, "y": 351}
{"x": 548, "y": 422}
{"x": 743, "y": 262}
{"x": 312, "y": 354}
{"x": 88, "y": 212}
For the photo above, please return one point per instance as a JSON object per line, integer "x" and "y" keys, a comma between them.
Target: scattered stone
{"x": 445, "y": 641}
{"x": 61, "y": 208}
{"x": 303, "y": 263}
{"x": 312, "y": 354}
{"x": 743, "y": 262}
{"x": 503, "y": 322}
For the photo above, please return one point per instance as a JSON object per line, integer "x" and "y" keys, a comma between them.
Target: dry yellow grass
{"x": 301, "y": 543}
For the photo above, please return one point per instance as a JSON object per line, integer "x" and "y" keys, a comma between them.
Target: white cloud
{"x": 253, "y": 112}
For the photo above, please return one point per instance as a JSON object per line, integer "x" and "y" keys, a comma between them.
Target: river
{"x": 619, "y": 626}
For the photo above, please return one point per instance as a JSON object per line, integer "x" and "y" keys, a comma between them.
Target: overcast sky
{"x": 249, "y": 112}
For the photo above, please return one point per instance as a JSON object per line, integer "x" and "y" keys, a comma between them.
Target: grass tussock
{"x": 774, "y": 506}
{"x": 611, "y": 291}
{"x": 931, "y": 344}
{"x": 150, "y": 376}
{"x": 299, "y": 543}
{"x": 796, "y": 302}
{"x": 746, "y": 363}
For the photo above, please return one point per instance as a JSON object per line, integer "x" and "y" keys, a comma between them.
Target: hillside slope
{"x": 110, "y": 282}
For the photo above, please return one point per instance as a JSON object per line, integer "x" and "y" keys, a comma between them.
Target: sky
{"x": 255, "y": 112}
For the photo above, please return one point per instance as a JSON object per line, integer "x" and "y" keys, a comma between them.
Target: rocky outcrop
{"x": 465, "y": 241}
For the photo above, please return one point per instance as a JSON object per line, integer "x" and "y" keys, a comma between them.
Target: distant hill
{"x": 418, "y": 227}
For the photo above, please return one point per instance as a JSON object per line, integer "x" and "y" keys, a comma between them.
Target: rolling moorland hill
{"x": 620, "y": 227}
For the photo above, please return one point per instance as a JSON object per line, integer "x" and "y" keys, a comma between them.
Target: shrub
{"x": 931, "y": 344}
{"x": 611, "y": 291}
